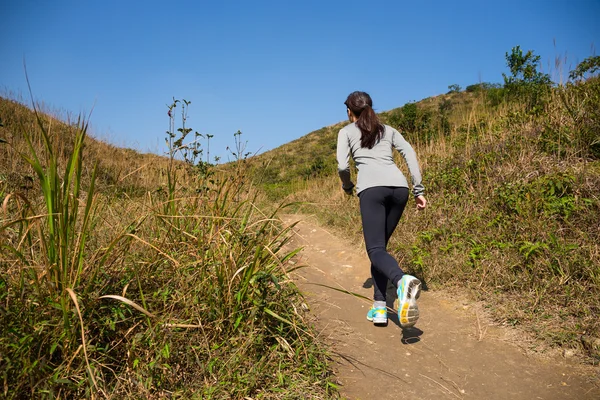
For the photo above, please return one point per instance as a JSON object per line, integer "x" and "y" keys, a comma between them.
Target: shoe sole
{"x": 378, "y": 320}
{"x": 408, "y": 310}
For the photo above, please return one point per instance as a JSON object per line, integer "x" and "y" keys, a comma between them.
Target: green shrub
{"x": 526, "y": 84}
{"x": 454, "y": 88}
{"x": 586, "y": 69}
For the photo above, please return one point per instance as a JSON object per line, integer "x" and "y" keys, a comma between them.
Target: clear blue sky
{"x": 276, "y": 70}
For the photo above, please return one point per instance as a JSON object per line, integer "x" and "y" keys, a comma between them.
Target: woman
{"x": 383, "y": 193}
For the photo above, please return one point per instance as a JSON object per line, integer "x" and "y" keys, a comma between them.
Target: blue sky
{"x": 276, "y": 70}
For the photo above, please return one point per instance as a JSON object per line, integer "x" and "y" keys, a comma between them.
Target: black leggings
{"x": 381, "y": 208}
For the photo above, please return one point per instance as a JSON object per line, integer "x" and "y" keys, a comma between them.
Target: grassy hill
{"x": 127, "y": 275}
{"x": 514, "y": 202}
{"x": 119, "y": 169}
{"x": 282, "y": 170}
{"x": 131, "y": 275}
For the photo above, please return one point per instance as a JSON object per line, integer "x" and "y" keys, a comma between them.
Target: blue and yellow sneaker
{"x": 377, "y": 315}
{"x": 409, "y": 290}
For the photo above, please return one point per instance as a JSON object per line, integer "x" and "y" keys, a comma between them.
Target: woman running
{"x": 383, "y": 193}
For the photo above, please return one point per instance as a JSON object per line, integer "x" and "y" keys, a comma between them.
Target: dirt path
{"x": 451, "y": 353}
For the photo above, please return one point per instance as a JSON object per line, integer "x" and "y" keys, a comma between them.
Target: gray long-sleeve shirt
{"x": 376, "y": 166}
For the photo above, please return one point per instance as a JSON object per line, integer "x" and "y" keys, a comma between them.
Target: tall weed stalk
{"x": 68, "y": 215}
{"x": 49, "y": 246}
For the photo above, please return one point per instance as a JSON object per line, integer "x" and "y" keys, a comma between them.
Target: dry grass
{"x": 120, "y": 169}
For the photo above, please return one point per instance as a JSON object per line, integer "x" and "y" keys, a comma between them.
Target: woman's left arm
{"x": 410, "y": 156}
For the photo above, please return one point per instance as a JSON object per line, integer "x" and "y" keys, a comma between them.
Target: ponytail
{"x": 371, "y": 128}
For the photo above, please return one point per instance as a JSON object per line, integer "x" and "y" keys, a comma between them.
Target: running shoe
{"x": 377, "y": 315}
{"x": 408, "y": 293}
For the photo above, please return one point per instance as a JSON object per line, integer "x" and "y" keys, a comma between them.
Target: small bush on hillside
{"x": 412, "y": 122}
{"x": 454, "y": 88}
{"x": 444, "y": 109}
{"x": 494, "y": 92}
{"x": 572, "y": 127}
{"x": 477, "y": 87}
{"x": 525, "y": 83}
{"x": 496, "y": 95}
{"x": 586, "y": 69}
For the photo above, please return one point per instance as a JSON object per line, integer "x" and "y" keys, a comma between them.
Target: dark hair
{"x": 371, "y": 128}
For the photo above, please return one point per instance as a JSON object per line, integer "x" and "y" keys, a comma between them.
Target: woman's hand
{"x": 350, "y": 190}
{"x": 421, "y": 202}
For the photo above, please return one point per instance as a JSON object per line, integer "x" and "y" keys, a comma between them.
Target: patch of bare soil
{"x": 452, "y": 353}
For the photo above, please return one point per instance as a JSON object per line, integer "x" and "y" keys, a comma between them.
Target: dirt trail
{"x": 451, "y": 353}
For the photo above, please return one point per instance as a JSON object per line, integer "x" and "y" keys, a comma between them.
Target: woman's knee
{"x": 376, "y": 253}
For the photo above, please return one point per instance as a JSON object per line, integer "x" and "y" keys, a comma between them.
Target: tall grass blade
{"x": 87, "y": 361}
{"x": 128, "y": 302}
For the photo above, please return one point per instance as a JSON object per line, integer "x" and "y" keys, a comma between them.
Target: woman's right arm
{"x": 343, "y": 159}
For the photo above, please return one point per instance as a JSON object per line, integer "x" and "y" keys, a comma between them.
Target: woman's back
{"x": 376, "y": 166}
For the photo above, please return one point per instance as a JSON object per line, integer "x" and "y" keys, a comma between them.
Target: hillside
{"x": 280, "y": 171}
{"x": 119, "y": 169}
{"x": 127, "y": 275}
{"x": 513, "y": 184}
